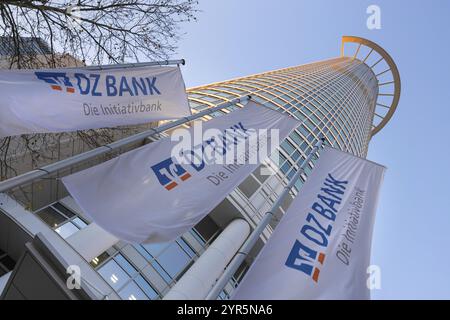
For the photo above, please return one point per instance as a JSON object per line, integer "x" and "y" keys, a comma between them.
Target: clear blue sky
{"x": 412, "y": 236}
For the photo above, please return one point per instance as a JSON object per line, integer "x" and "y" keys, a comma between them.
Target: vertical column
{"x": 201, "y": 277}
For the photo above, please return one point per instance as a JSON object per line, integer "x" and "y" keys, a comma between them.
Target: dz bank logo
{"x": 171, "y": 174}
{"x": 96, "y": 85}
{"x": 56, "y": 80}
{"x": 308, "y": 249}
{"x": 309, "y": 258}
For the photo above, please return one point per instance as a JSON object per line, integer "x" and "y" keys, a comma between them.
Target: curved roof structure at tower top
{"x": 389, "y": 83}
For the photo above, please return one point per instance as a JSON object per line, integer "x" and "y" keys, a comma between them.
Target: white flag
{"x": 321, "y": 247}
{"x": 57, "y": 100}
{"x": 146, "y": 195}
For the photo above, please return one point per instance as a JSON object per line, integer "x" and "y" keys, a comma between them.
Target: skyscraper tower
{"x": 346, "y": 100}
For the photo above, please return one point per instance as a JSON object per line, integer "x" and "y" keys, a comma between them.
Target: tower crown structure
{"x": 384, "y": 111}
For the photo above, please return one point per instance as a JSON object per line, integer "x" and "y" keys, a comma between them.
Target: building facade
{"x": 346, "y": 100}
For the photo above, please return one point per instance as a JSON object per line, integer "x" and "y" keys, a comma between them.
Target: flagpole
{"x": 240, "y": 256}
{"x": 131, "y": 65}
{"x": 46, "y": 171}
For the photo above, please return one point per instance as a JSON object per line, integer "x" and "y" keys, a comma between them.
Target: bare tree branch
{"x": 99, "y": 31}
{"x": 94, "y": 32}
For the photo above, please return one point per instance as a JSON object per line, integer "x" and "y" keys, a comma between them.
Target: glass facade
{"x": 334, "y": 98}
{"x": 134, "y": 271}
{"x": 147, "y": 271}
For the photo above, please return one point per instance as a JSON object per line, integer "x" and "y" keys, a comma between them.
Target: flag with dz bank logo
{"x": 59, "y": 100}
{"x": 321, "y": 247}
{"x": 157, "y": 192}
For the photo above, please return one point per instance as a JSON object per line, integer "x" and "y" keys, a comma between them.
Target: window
{"x": 298, "y": 184}
{"x": 296, "y": 155}
{"x": 132, "y": 292}
{"x": 282, "y": 159}
{"x": 6, "y": 263}
{"x": 292, "y": 173}
{"x": 196, "y": 105}
{"x": 61, "y": 219}
{"x": 210, "y": 99}
{"x": 303, "y": 131}
{"x": 163, "y": 273}
{"x": 286, "y": 167}
{"x": 125, "y": 279}
{"x": 51, "y": 217}
{"x": 148, "y": 290}
{"x": 100, "y": 259}
{"x": 205, "y": 231}
{"x": 63, "y": 210}
{"x": 249, "y": 186}
{"x": 170, "y": 260}
{"x": 296, "y": 137}
{"x": 259, "y": 100}
{"x": 114, "y": 274}
{"x": 288, "y": 147}
{"x": 171, "y": 257}
{"x": 66, "y": 230}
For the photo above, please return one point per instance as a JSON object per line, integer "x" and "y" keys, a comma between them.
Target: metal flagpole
{"x": 131, "y": 65}
{"x": 240, "y": 256}
{"x": 45, "y": 171}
